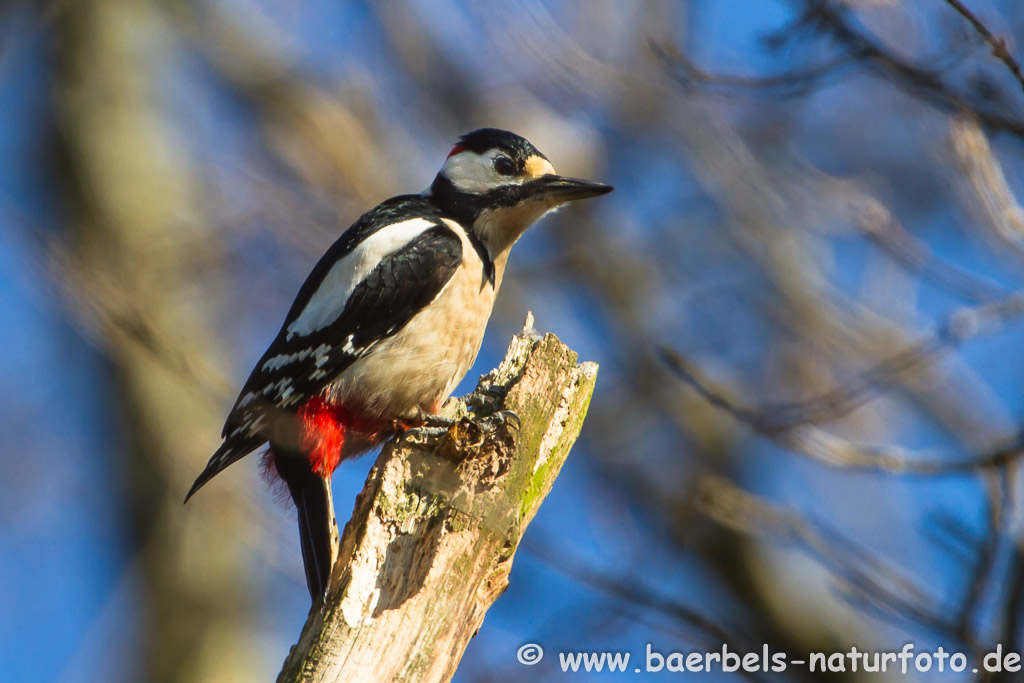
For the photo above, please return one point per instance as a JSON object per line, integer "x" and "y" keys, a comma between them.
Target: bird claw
{"x": 486, "y": 399}
{"x": 501, "y": 418}
{"x": 487, "y": 404}
{"x": 433, "y": 427}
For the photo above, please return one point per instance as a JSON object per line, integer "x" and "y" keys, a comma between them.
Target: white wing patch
{"x": 328, "y": 301}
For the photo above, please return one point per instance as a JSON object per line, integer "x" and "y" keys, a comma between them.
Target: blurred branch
{"x": 963, "y": 325}
{"x": 631, "y": 589}
{"x": 132, "y": 231}
{"x": 793, "y": 83}
{"x": 830, "y": 405}
{"x": 832, "y": 19}
{"x": 885, "y": 231}
{"x": 1000, "y": 502}
{"x": 113, "y": 318}
{"x": 859, "y": 47}
{"x": 326, "y": 140}
{"x": 998, "y": 44}
{"x": 1011, "y": 625}
{"x": 1000, "y": 211}
{"x": 765, "y": 210}
{"x": 790, "y": 423}
{"x": 856, "y": 571}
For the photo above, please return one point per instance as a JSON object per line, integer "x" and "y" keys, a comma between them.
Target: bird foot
{"x": 488, "y": 401}
{"x": 487, "y": 395}
{"x": 500, "y": 418}
{"x": 465, "y": 439}
{"x": 485, "y": 406}
{"x": 421, "y": 419}
{"x": 463, "y": 436}
{"x": 429, "y": 424}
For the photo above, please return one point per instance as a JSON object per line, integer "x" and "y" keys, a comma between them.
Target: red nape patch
{"x": 326, "y": 428}
{"x": 455, "y": 150}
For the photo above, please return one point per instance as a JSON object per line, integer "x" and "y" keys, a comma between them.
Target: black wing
{"x": 297, "y": 367}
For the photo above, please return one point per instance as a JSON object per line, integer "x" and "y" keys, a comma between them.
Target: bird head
{"x": 498, "y": 184}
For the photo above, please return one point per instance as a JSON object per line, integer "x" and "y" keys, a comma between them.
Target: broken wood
{"x": 430, "y": 543}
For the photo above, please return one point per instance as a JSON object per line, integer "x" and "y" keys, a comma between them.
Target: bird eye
{"x": 504, "y": 166}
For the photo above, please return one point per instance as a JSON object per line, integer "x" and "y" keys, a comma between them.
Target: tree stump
{"x": 430, "y": 543}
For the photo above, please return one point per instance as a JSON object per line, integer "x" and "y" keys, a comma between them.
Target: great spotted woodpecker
{"x": 387, "y": 324}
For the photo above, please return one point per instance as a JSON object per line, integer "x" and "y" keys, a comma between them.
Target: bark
{"x": 433, "y": 534}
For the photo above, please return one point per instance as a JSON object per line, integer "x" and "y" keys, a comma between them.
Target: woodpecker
{"x": 387, "y": 324}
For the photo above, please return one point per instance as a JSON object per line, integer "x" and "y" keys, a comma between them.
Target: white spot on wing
{"x": 280, "y": 360}
{"x": 250, "y": 426}
{"x": 321, "y": 355}
{"x": 328, "y": 301}
{"x": 279, "y": 389}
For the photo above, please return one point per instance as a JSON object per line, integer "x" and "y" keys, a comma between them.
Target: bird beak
{"x": 559, "y": 189}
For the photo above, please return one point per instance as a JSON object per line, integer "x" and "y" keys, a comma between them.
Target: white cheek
{"x": 470, "y": 172}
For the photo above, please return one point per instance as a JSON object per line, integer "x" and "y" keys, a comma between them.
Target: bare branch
{"x": 999, "y": 209}
{"x": 1000, "y": 502}
{"x": 926, "y": 84}
{"x": 998, "y": 44}
{"x": 710, "y": 634}
{"x": 886, "y": 232}
{"x": 793, "y": 83}
{"x": 962, "y": 325}
{"x": 822, "y": 408}
{"x": 855, "y": 570}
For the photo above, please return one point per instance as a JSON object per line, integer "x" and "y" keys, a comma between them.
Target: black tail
{"x": 318, "y": 530}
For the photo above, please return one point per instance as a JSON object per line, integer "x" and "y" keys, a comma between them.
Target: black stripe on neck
{"x": 481, "y": 250}
{"x": 464, "y": 209}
